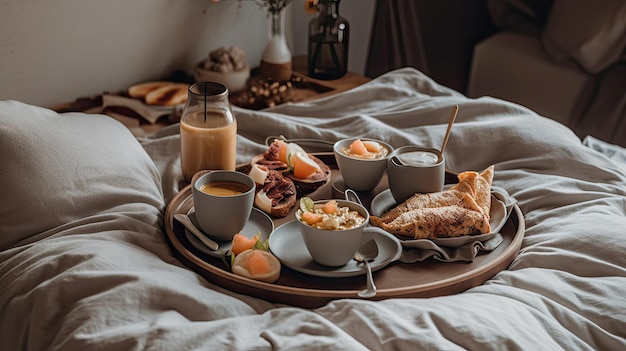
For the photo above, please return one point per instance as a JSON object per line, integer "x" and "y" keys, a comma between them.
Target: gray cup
{"x": 414, "y": 169}
{"x": 334, "y": 247}
{"x": 221, "y": 217}
{"x": 360, "y": 174}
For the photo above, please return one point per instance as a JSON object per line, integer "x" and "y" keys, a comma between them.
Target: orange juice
{"x": 207, "y": 143}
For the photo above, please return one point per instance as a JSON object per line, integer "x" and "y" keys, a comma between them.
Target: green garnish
{"x": 306, "y": 204}
{"x": 262, "y": 245}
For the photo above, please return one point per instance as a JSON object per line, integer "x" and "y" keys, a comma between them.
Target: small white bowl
{"x": 334, "y": 247}
{"x": 235, "y": 81}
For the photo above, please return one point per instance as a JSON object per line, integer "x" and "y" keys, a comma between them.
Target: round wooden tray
{"x": 422, "y": 279}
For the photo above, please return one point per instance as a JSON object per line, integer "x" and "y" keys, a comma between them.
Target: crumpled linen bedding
{"x": 108, "y": 280}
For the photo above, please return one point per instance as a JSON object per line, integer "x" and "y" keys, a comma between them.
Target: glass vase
{"x": 329, "y": 39}
{"x": 276, "y": 58}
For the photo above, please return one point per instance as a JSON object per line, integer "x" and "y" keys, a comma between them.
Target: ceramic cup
{"x": 334, "y": 247}
{"x": 223, "y": 202}
{"x": 360, "y": 174}
{"x": 414, "y": 169}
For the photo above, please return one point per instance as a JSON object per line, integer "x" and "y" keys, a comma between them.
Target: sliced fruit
{"x": 358, "y": 148}
{"x": 282, "y": 151}
{"x": 303, "y": 165}
{"x": 372, "y": 146}
{"x": 242, "y": 243}
{"x": 292, "y": 149}
{"x": 310, "y": 218}
{"x": 330, "y": 207}
{"x": 306, "y": 204}
{"x": 258, "y": 265}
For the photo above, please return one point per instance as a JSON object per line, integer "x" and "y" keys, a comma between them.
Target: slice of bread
{"x": 139, "y": 91}
{"x": 168, "y": 95}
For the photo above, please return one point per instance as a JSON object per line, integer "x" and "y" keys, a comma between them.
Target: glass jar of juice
{"x": 208, "y": 130}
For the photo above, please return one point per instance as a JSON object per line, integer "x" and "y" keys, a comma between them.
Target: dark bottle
{"x": 329, "y": 39}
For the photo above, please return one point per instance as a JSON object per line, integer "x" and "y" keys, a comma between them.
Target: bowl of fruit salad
{"x": 331, "y": 229}
{"x": 362, "y": 161}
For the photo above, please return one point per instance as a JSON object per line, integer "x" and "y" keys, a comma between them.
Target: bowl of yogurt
{"x": 415, "y": 169}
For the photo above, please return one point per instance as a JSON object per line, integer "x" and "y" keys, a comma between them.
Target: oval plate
{"x": 497, "y": 217}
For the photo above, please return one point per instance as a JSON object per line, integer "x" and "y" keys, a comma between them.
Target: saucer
{"x": 259, "y": 223}
{"x": 497, "y": 218}
{"x": 287, "y": 245}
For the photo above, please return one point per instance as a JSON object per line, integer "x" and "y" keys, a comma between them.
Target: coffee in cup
{"x": 223, "y": 202}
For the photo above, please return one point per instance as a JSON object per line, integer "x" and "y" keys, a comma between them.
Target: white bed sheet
{"x": 114, "y": 287}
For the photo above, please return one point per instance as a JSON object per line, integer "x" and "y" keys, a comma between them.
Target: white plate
{"x": 286, "y": 243}
{"x": 258, "y": 223}
{"x": 497, "y": 217}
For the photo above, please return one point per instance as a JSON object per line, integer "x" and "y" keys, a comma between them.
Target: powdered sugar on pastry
{"x": 462, "y": 210}
{"x": 436, "y": 222}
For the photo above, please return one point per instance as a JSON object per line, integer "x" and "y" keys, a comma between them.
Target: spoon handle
{"x": 371, "y": 287}
{"x": 370, "y": 280}
{"x": 455, "y": 110}
{"x": 184, "y": 220}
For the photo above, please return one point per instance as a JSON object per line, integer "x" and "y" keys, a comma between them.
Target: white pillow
{"x": 59, "y": 168}
{"x": 592, "y": 33}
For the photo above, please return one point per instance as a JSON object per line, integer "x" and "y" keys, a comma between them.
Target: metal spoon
{"x": 367, "y": 252}
{"x": 186, "y": 221}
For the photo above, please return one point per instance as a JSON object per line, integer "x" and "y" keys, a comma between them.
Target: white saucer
{"x": 497, "y": 218}
{"x": 287, "y": 245}
{"x": 259, "y": 223}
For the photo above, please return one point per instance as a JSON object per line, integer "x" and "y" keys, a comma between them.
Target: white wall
{"x": 54, "y": 51}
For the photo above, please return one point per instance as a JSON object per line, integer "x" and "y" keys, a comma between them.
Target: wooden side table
{"x": 347, "y": 82}
{"x": 308, "y": 90}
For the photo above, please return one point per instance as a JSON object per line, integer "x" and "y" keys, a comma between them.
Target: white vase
{"x": 276, "y": 58}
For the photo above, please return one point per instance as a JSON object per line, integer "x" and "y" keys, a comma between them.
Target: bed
{"x": 85, "y": 263}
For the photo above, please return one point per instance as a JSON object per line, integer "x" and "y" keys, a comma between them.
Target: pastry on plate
{"x": 461, "y": 210}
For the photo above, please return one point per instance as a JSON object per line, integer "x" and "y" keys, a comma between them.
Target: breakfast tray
{"x": 397, "y": 280}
